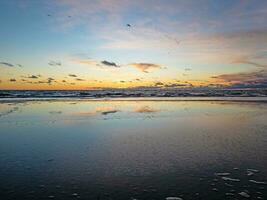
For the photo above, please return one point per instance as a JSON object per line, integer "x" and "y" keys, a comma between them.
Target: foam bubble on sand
{"x": 250, "y": 173}
{"x": 229, "y": 185}
{"x": 222, "y": 174}
{"x": 253, "y": 170}
{"x": 173, "y": 198}
{"x": 230, "y": 179}
{"x": 258, "y": 182}
{"x": 244, "y": 194}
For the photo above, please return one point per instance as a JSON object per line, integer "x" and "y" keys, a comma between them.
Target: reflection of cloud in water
{"x": 55, "y": 112}
{"x": 98, "y": 111}
{"x": 145, "y": 109}
{"x": 109, "y": 112}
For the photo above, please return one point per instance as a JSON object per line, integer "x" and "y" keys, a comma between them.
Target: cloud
{"x": 246, "y": 60}
{"x": 145, "y": 67}
{"x": 54, "y": 63}
{"x": 7, "y": 64}
{"x": 79, "y": 79}
{"x": 72, "y": 75}
{"x": 34, "y": 76}
{"x": 107, "y": 63}
{"x": 97, "y": 63}
{"x": 255, "y": 79}
{"x": 159, "y": 84}
{"x": 50, "y": 80}
{"x": 12, "y": 80}
{"x": 176, "y": 85}
{"x": 239, "y": 77}
{"x": 41, "y": 82}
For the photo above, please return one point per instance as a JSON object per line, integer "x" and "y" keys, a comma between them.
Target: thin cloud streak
{"x": 6, "y": 64}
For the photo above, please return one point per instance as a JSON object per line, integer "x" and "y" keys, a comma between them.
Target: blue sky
{"x": 175, "y": 42}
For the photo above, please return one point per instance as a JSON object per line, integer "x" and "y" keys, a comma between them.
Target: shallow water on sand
{"x": 133, "y": 149}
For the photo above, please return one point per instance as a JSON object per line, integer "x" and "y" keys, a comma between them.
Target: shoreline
{"x": 200, "y": 99}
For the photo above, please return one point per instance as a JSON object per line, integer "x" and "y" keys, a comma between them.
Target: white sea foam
{"x": 173, "y": 198}
{"x": 222, "y": 174}
{"x": 244, "y": 194}
{"x": 253, "y": 170}
{"x": 258, "y": 182}
{"x": 230, "y": 179}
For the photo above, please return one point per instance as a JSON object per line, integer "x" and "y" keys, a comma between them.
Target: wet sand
{"x": 131, "y": 149}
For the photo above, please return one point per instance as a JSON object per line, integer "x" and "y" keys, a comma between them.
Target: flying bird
{"x": 129, "y": 25}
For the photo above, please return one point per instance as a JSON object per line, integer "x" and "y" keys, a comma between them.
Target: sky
{"x": 96, "y": 44}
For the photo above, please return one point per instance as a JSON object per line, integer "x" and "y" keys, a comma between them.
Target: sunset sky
{"x": 88, "y": 44}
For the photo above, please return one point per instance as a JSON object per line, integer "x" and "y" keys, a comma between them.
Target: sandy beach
{"x": 119, "y": 149}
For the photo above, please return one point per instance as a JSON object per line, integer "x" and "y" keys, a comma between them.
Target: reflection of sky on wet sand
{"x": 132, "y": 139}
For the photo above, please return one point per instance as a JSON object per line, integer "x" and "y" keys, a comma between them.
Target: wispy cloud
{"x": 54, "y": 63}
{"x": 177, "y": 85}
{"x": 248, "y": 79}
{"x": 7, "y": 64}
{"x": 145, "y": 67}
{"x": 79, "y": 79}
{"x": 246, "y": 60}
{"x": 33, "y": 76}
{"x": 104, "y": 64}
{"x": 239, "y": 77}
